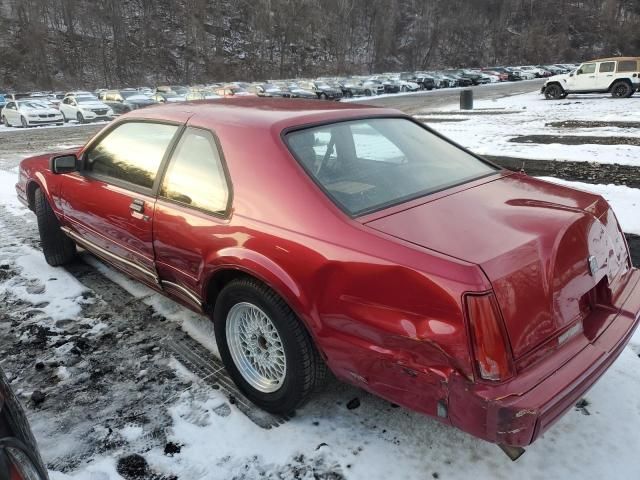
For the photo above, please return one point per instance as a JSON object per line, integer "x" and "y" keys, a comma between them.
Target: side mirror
{"x": 579, "y": 72}
{"x": 63, "y": 164}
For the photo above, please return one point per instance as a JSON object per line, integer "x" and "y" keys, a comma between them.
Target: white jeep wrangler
{"x": 619, "y": 76}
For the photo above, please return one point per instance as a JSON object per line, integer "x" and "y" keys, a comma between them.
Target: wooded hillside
{"x": 116, "y": 43}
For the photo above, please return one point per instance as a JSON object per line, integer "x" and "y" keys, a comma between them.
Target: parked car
{"x": 266, "y": 90}
{"x": 426, "y": 81}
{"x": 293, "y": 90}
{"x": 167, "y": 97}
{"x": 373, "y": 87}
{"x": 407, "y": 86}
{"x": 3, "y": 100}
{"x": 322, "y": 89}
{"x": 84, "y": 107}
{"x": 511, "y": 75}
{"x": 123, "y": 101}
{"x": 19, "y": 455}
{"x": 350, "y": 87}
{"x": 233, "y": 91}
{"x": 502, "y": 76}
{"x": 388, "y": 84}
{"x": 367, "y": 244}
{"x": 618, "y": 76}
{"x": 203, "y": 94}
{"x": 29, "y": 113}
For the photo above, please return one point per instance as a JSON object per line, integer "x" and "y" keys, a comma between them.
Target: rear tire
{"x": 58, "y": 249}
{"x": 304, "y": 370}
{"x": 621, "y": 89}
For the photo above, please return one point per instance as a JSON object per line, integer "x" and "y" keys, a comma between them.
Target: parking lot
{"x": 159, "y": 405}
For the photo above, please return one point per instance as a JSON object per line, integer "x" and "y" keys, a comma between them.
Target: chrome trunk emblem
{"x": 593, "y": 265}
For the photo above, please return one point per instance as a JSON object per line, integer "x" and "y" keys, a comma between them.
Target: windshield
{"x": 367, "y": 165}
{"x": 86, "y": 99}
{"x": 129, "y": 94}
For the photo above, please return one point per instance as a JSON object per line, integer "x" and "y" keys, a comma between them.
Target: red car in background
{"x": 328, "y": 235}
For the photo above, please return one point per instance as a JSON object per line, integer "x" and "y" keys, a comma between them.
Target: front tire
{"x": 80, "y": 118}
{"x": 554, "y": 92}
{"x": 621, "y": 90}
{"x": 24, "y": 122}
{"x": 58, "y": 249}
{"x": 5, "y": 122}
{"x": 264, "y": 346}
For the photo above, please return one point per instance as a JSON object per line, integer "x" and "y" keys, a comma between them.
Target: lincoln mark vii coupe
{"x": 322, "y": 236}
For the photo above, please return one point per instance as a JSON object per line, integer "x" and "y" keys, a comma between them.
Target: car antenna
{"x": 522, "y": 168}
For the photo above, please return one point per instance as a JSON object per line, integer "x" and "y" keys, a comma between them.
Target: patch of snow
{"x": 131, "y": 432}
{"x": 55, "y": 291}
{"x": 527, "y": 114}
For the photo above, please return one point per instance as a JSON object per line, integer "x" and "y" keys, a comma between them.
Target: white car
{"x": 619, "y": 76}
{"x": 531, "y": 69}
{"x": 524, "y": 74}
{"x": 28, "y": 113}
{"x": 84, "y": 107}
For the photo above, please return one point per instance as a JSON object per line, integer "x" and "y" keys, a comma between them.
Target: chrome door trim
{"x": 185, "y": 291}
{"x": 101, "y": 252}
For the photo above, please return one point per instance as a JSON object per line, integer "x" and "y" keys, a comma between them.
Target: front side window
{"x": 132, "y": 152}
{"x": 195, "y": 176}
{"x": 588, "y": 68}
{"x": 607, "y": 67}
{"x": 366, "y": 165}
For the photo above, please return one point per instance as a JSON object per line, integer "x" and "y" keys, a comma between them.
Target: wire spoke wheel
{"x": 256, "y": 347}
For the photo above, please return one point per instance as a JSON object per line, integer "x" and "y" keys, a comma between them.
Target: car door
{"x": 604, "y": 75}
{"x": 584, "y": 79}
{"x": 108, "y": 206}
{"x": 192, "y": 215}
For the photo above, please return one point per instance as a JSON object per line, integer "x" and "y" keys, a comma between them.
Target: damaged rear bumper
{"x": 548, "y": 389}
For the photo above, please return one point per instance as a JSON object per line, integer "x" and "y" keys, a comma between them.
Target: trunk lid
{"x": 543, "y": 247}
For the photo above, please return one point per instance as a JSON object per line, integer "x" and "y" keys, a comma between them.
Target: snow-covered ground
{"x": 490, "y": 134}
{"x": 91, "y": 421}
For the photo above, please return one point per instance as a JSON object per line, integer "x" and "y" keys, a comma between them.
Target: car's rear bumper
{"x": 518, "y": 412}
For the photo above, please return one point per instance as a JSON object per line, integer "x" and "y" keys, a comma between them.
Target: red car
{"x": 329, "y": 235}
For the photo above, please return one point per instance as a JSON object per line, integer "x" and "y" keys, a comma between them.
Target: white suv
{"x": 618, "y": 76}
{"x": 84, "y": 107}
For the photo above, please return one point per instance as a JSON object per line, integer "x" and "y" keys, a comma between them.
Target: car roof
{"x": 613, "y": 59}
{"x": 263, "y": 112}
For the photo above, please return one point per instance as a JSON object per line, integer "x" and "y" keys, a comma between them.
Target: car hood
{"x": 532, "y": 239}
{"x": 563, "y": 77}
{"x": 44, "y": 111}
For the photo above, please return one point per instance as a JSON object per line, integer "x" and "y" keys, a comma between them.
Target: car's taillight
{"x": 489, "y": 342}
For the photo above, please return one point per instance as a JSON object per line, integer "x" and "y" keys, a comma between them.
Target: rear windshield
{"x": 366, "y": 165}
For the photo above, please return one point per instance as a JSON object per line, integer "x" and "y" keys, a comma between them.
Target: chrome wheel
{"x": 256, "y": 347}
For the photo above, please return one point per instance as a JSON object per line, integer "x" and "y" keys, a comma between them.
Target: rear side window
{"x": 366, "y": 165}
{"x": 607, "y": 67}
{"x": 132, "y": 152}
{"x": 195, "y": 176}
{"x": 627, "y": 66}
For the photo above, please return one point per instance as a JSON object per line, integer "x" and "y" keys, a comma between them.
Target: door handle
{"x": 137, "y": 205}
{"x": 137, "y": 210}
